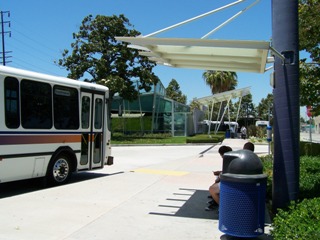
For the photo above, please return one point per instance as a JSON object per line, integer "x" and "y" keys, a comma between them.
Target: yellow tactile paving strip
{"x": 161, "y": 172}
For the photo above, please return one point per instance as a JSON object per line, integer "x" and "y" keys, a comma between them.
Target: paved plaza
{"x": 151, "y": 192}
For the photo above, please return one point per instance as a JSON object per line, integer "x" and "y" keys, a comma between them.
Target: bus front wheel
{"x": 59, "y": 170}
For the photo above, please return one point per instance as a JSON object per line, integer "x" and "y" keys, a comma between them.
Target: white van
{"x": 262, "y": 123}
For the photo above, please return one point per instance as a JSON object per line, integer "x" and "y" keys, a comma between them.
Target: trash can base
{"x": 242, "y": 209}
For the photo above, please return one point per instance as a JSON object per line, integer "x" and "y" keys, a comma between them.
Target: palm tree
{"x": 220, "y": 81}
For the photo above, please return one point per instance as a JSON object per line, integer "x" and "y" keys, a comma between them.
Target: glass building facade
{"x": 152, "y": 112}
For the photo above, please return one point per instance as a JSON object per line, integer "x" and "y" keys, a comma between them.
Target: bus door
{"x": 92, "y": 124}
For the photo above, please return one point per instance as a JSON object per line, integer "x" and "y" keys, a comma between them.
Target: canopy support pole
{"x": 230, "y": 19}
{"x": 194, "y": 18}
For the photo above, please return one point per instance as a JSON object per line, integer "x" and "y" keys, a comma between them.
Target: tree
{"x": 247, "y": 109}
{"x": 97, "y": 55}
{"x": 310, "y": 87}
{"x": 195, "y": 104}
{"x": 309, "y": 28}
{"x": 309, "y": 34}
{"x": 265, "y": 106}
{"x": 220, "y": 81}
{"x": 173, "y": 92}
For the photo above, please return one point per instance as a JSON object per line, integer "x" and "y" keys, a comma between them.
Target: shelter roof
{"x": 206, "y": 54}
{"x": 224, "y": 96}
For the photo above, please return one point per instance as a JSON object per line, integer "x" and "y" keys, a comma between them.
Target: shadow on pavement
{"x": 27, "y": 186}
{"x": 262, "y": 237}
{"x": 193, "y": 205}
{"x": 85, "y": 176}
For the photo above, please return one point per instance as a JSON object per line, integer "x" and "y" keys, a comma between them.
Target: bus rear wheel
{"x": 59, "y": 170}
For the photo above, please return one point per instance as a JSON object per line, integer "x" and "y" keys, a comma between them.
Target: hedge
{"x": 309, "y": 148}
{"x": 301, "y": 221}
{"x": 309, "y": 176}
{"x": 204, "y": 138}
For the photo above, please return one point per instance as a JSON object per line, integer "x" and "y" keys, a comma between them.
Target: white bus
{"x": 51, "y": 126}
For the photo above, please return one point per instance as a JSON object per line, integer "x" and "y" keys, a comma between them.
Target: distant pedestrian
{"x": 243, "y": 132}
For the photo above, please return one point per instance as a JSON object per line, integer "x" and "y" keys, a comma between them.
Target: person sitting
{"x": 249, "y": 146}
{"x": 214, "y": 189}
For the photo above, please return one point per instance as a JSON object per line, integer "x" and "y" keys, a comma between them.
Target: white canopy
{"x": 206, "y": 54}
{"x": 224, "y": 96}
{"x": 220, "y": 98}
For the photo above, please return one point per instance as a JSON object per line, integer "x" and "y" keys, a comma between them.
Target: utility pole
{"x": 3, "y": 32}
{"x": 285, "y": 40}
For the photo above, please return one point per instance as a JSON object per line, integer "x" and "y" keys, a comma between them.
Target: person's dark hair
{"x": 249, "y": 146}
{"x": 223, "y": 149}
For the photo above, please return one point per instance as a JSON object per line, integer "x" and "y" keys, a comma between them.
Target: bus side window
{"x": 85, "y": 112}
{"x": 98, "y": 113}
{"x": 12, "y": 108}
{"x": 66, "y": 107}
{"x": 36, "y": 105}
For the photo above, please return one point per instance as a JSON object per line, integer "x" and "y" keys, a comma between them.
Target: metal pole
{"x": 3, "y": 46}
{"x": 172, "y": 119}
{"x": 286, "y": 103}
{"x": 194, "y": 18}
{"x": 230, "y": 19}
{"x": 154, "y": 108}
{"x": 310, "y": 125}
{"x": 210, "y": 117}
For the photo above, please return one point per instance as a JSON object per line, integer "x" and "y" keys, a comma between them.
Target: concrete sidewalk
{"x": 151, "y": 192}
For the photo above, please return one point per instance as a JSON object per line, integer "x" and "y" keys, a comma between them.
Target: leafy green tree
{"x": 265, "y": 107}
{"x": 309, "y": 40}
{"x": 247, "y": 110}
{"x": 310, "y": 87}
{"x": 173, "y": 92}
{"x": 309, "y": 27}
{"x": 195, "y": 104}
{"x": 97, "y": 56}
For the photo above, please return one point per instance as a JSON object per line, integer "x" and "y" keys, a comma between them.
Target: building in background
{"x": 152, "y": 112}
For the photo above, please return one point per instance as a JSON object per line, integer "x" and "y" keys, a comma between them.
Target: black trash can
{"x": 242, "y": 195}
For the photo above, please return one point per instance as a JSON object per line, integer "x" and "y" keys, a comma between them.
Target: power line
{"x": 30, "y": 52}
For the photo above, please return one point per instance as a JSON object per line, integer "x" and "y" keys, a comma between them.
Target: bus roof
{"x": 20, "y": 73}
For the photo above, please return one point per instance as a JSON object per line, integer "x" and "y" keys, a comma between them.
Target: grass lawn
{"x": 147, "y": 140}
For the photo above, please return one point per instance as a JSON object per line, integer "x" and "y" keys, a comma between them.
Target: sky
{"x": 41, "y": 30}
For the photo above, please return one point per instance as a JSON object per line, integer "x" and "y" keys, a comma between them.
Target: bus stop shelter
{"x": 248, "y": 56}
{"x": 208, "y": 54}
{"x": 220, "y": 98}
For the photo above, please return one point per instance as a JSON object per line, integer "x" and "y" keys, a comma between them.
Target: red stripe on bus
{"x": 36, "y": 139}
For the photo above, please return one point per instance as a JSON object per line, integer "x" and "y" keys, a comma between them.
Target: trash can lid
{"x": 242, "y": 162}
{"x": 244, "y": 178}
